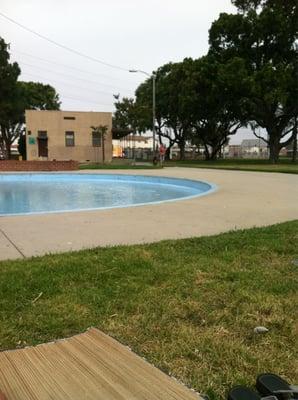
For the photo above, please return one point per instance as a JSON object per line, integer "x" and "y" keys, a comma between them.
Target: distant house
{"x": 234, "y": 150}
{"x": 191, "y": 152}
{"x": 68, "y": 135}
{"x": 289, "y": 149}
{"x": 254, "y": 147}
{"x": 133, "y": 146}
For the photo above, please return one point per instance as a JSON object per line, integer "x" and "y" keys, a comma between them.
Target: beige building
{"x": 67, "y": 135}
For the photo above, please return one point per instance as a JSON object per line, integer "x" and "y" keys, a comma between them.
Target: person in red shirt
{"x": 162, "y": 153}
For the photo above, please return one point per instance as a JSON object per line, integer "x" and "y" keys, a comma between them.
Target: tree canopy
{"x": 38, "y": 96}
{"x": 10, "y": 104}
{"x": 172, "y": 116}
{"x": 125, "y": 120}
{"x": 248, "y": 77}
{"x": 196, "y": 102}
{"x": 263, "y": 34}
{"x": 214, "y": 102}
{"x": 17, "y": 96}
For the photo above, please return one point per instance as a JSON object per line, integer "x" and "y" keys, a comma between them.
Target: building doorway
{"x": 42, "y": 147}
{"x": 42, "y": 144}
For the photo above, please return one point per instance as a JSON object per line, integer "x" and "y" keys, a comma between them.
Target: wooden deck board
{"x": 89, "y": 366}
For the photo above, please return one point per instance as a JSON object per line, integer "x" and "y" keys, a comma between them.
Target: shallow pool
{"x": 61, "y": 192}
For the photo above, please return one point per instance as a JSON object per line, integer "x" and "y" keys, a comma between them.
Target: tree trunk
{"x": 2, "y": 147}
{"x": 274, "y": 154}
{"x": 159, "y": 138}
{"x": 274, "y": 147}
{"x": 7, "y": 148}
{"x": 211, "y": 155}
{"x": 103, "y": 149}
{"x": 168, "y": 151}
{"x": 214, "y": 153}
{"x": 182, "y": 150}
{"x": 6, "y": 142}
{"x": 215, "y": 150}
{"x": 206, "y": 153}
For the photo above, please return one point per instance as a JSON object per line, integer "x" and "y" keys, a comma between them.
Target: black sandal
{"x": 244, "y": 393}
{"x": 270, "y": 384}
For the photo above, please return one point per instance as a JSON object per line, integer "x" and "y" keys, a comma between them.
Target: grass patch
{"x": 117, "y": 166}
{"x": 189, "y": 306}
{"x": 284, "y": 165}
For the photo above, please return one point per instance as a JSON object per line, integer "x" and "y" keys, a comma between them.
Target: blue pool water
{"x": 50, "y": 192}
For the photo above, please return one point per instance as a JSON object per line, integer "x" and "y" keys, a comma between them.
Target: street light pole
{"x": 153, "y": 114}
{"x": 153, "y": 76}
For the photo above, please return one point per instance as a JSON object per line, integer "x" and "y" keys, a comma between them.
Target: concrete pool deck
{"x": 243, "y": 200}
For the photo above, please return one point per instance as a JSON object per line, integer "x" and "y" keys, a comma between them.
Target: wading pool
{"x": 28, "y": 193}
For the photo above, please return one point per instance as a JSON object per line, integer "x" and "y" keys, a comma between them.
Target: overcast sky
{"x": 125, "y": 33}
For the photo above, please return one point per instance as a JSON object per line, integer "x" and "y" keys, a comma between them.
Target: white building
{"x": 132, "y": 146}
{"x": 254, "y": 147}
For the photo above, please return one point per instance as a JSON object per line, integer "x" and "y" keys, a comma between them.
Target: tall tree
{"x": 264, "y": 35}
{"x": 101, "y": 132}
{"x": 28, "y": 96}
{"x": 212, "y": 90}
{"x": 39, "y": 96}
{"x": 16, "y": 97}
{"x": 9, "y": 99}
{"x": 126, "y": 117}
{"x": 195, "y": 102}
{"x": 22, "y": 149}
{"x": 172, "y": 116}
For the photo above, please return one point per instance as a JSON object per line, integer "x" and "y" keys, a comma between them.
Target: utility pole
{"x": 154, "y": 113}
{"x": 153, "y": 77}
{"x": 294, "y": 154}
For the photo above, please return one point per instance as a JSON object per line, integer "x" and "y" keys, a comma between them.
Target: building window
{"x": 69, "y": 139}
{"x": 71, "y": 118}
{"x": 96, "y": 139}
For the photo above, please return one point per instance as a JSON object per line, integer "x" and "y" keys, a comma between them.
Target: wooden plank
{"x": 88, "y": 366}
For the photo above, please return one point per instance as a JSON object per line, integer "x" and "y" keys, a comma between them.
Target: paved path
{"x": 243, "y": 200}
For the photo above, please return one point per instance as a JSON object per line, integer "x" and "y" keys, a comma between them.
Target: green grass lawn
{"x": 189, "y": 306}
{"x": 117, "y": 166}
{"x": 284, "y": 165}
